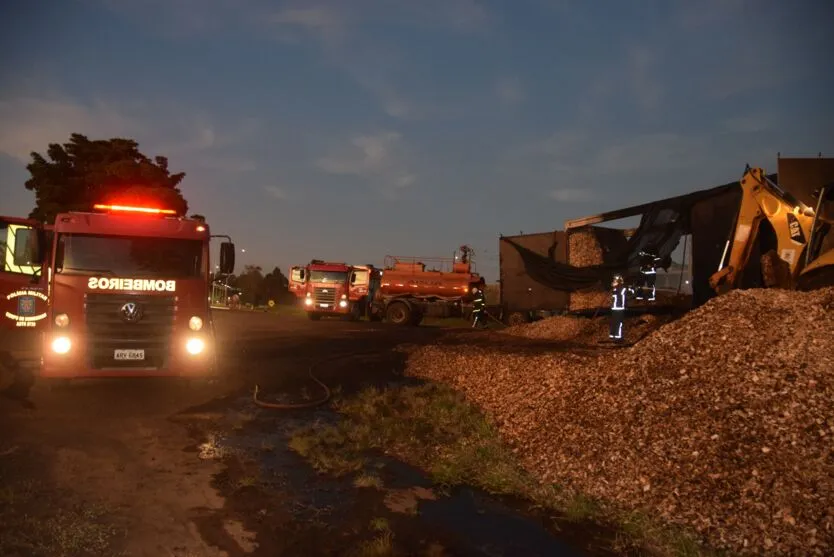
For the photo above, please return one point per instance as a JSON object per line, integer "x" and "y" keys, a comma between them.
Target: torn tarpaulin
{"x": 661, "y": 227}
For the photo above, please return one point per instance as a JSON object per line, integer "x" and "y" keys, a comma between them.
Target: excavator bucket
{"x": 819, "y": 274}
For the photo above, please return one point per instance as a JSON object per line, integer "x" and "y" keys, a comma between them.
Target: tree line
{"x": 76, "y": 175}
{"x": 257, "y": 288}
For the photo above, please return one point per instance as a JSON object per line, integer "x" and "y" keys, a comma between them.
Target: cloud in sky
{"x": 510, "y": 90}
{"x": 380, "y": 159}
{"x": 276, "y": 192}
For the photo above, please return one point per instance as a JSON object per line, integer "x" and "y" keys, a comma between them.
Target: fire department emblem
{"x": 26, "y": 306}
{"x": 131, "y": 312}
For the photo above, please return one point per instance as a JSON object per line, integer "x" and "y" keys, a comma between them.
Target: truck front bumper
{"x": 64, "y": 355}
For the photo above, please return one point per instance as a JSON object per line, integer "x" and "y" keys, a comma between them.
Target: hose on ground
{"x": 313, "y": 403}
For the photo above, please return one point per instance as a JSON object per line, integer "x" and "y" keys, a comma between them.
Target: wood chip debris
{"x": 721, "y": 421}
{"x": 584, "y": 250}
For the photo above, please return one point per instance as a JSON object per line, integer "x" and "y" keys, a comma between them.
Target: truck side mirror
{"x": 227, "y": 258}
{"x": 302, "y": 274}
{"x": 352, "y": 278}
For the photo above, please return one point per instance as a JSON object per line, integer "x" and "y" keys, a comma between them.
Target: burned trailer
{"x": 522, "y": 298}
{"x": 595, "y": 253}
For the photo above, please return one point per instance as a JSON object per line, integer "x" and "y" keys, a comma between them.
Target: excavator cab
{"x": 818, "y": 271}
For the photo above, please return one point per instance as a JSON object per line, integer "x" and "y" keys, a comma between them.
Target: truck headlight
{"x": 344, "y": 296}
{"x": 195, "y": 323}
{"x": 308, "y": 302}
{"x": 343, "y": 304}
{"x": 195, "y": 346}
{"x": 61, "y": 345}
{"x": 62, "y": 320}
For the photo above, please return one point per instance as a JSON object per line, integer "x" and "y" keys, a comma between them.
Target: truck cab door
{"x": 24, "y": 249}
{"x": 297, "y": 281}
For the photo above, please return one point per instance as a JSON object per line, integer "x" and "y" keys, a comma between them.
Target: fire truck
{"x": 125, "y": 291}
{"x": 326, "y": 289}
{"x": 408, "y": 291}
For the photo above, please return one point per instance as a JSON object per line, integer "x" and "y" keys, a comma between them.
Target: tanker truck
{"x": 408, "y": 291}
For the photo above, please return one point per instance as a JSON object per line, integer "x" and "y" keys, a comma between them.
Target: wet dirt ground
{"x": 154, "y": 468}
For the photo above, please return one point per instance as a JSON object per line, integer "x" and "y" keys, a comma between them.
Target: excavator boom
{"x": 792, "y": 221}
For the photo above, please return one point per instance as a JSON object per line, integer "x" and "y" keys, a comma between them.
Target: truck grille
{"x": 324, "y": 295}
{"x": 109, "y": 330}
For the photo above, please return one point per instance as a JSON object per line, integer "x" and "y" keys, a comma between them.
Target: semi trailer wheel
{"x": 398, "y": 313}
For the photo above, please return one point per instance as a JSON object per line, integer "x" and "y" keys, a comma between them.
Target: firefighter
{"x": 619, "y": 293}
{"x": 648, "y": 275}
{"x": 479, "y": 311}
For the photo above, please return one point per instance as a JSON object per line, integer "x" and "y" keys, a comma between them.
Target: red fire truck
{"x": 126, "y": 292}
{"x": 325, "y": 289}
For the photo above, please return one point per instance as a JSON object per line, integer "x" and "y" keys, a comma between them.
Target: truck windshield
{"x": 329, "y": 276}
{"x": 131, "y": 256}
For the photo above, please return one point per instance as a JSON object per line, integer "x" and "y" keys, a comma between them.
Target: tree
{"x": 250, "y": 282}
{"x": 275, "y": 286}
{"x": 82, "y": 172}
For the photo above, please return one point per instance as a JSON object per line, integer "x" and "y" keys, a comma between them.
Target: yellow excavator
{"x": 803, "y": 255}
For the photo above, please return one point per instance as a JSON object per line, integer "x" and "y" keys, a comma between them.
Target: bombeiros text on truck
{"x": 125, "y": 292}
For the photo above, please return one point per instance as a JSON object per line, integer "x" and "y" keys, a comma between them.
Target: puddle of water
{"x": 469, "y": 522}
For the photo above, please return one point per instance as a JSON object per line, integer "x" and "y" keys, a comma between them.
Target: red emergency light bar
{"x": 129, "y": 209}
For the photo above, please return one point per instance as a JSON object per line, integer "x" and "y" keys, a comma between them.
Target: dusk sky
{"x": 353, "y": 129}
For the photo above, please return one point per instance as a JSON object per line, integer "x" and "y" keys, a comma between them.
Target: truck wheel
{"x": 517, "y": 318}
{"x": 314, "y": 316}
{"x": 355, "y": 313}
{"x": 398, "y": 313}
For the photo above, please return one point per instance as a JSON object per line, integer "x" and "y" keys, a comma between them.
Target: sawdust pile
{"x": 552, "y": 328}
{"x": 720, "y": 421}
{"x": 583, "y": 329}
{"x": 584, "y": 250}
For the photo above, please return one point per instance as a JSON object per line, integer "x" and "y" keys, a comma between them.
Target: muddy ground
{"x": 155, "y": 468}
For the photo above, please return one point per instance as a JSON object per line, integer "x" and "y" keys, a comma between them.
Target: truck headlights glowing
{"x": 308, "y": 301}
{"x": 62, "y": 320}
{"x": 344, "y": 296}
{"x": 61, "y": 345}
{"x": 195, "y": 346}
{"x": 195, "y": 323}
{"x": 343, "y": 304}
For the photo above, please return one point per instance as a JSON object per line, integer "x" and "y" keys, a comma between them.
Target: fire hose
{"x": 327, "y": 392}
{"x": 313, "y": 403}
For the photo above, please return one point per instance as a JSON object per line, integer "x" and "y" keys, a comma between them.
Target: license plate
{"x": 134, "y": 354}
{"x": 324, "y": 305}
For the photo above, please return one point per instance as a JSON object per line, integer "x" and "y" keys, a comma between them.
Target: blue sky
{"x": 353, "y": 129}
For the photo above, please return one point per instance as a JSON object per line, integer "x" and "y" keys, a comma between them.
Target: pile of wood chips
{"x": 720, "y": 421}
{"x": 585, "y": 330}
{"x": 584, "y": 250}
{"x": 552, "y": 328}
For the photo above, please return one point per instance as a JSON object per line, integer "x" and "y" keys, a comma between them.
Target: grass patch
{"x": 368, "y": 480}
{"x": 382, "y": 545}
{"x": 465, "y": 448}
{"x": 433, "y": 427}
